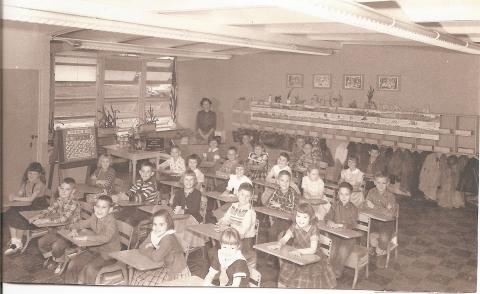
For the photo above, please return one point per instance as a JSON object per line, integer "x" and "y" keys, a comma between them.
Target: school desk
{"x": 129, "y": 203}
{"x": 192, "y": 281}
{"x": 215, "y": 177}
{"x": 274, "y": 212}
{"x": 134, "y": 156}
{"x": 219, "y": 197}
{"x": 372, "y": 213}
{"x": 30, "y": 215}
{"x": 314, "y": 201}
{"x": 87, "y": 189}
{"x": 154, "y": 208}
{"x": 206, "y": 230}
{"x": 341, "y": 232}
{"x": 80, "y": 243}
{"x": 135, "y": 260}
{"x": 17, "y": 203}
{"x": 284, "y": 253}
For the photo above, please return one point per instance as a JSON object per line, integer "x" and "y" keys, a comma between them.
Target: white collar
{"x": 212, "y": 150}
{"x": 156, "y": 239}
{"x": 225, "y": 262}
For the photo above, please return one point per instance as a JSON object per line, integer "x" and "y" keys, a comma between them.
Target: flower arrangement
{"x": 108, "y": 118}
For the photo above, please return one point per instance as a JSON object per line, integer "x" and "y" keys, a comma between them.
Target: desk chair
{"x": 252, "y": 260}
{"x": 325, "y": 245}
{"x": 359, "y": 257}
{"x": 116, "y": 274}
{"x": 255, "y": 278}
{"x": 393, "y": 244}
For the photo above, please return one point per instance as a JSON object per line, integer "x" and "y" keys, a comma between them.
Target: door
{"x": 19, "y": 122}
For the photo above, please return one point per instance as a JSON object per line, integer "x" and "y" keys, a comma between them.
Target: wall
{"x": 447, "y": 82}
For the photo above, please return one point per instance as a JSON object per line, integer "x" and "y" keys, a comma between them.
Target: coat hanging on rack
{"x": 430, "y": 176}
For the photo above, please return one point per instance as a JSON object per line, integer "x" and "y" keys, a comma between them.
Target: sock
{"x": 17, "y": 242}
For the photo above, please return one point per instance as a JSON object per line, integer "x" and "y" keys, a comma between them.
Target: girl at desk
{"x": 103, "y": 177}
{"x": 229, "y": 264}
{"x": 31, "y": 192}
{"x": 162, "y": 245}
{"x": 354, "y": 177}
{"x": 193, "y": 161}
{"x": 187, "y": 200}
{"x": 313, "y": 187}
{"x": 258, "y": 162}
{"x": 305, "y": 241}
{"x": 174, "y": 167}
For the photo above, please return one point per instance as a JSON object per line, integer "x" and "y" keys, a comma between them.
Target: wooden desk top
{"x": 283, "y": 253}
{"x": 192, "y": 281}
{"x": 217, "y": 176}
{"x": 154, "y": 208}
{"x": 314, "y": 201}
{"x": 136, "y": 260}
{"x": 274, "y": 212}
{"x": 17, "y": 203}
{"x": 175, "y": 184}
{"x": 264, "y": 183}
{"x": 129, "y": 203}
{"x": 376, "y": 215}
{"x": 66, "y": 234}
{"x": 206, "y": 230}
{"x": 29, "y": 215}
{"x": 218, "y": 196}
{"x": 84, "y": 188}
{"x": 134, "y": 154}
{"x": 341, "y": 232}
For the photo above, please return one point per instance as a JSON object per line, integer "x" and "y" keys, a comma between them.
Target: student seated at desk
{"x": 228, "y": 263}
{"x": 342, "y": 214}
{"x": 257, "y": 162}
{"x": 383, "y": 201}
{"x": 313, "y": 187}
{"x": 213, "y": 153}
{"x": 282, "y": 164}
{"x": 297, "y": 149}
{"x": 83, "y": 268}
{"x": 65, "y": 210}
{"x": 103, "y": 177}
{"x": 242, "y": 217}
{"x": 245, "y": 147}
{"x": 306, "y": 159}
{"x": 172, "y": 167}
{"x": 193, "y": 162}
{"x": 305, "y": 241}
{"x": 284, "y": 198}
{"x": 228, "y": 167}
{"x": 354, "y": 177}
{"x": 232, "y": 188}
{"x": 187, "y": 200}
{"x": 162, "y": 245}
{"x": 32, "y": 191}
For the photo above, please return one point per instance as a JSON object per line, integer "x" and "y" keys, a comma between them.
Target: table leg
{"x": 134, "y": 172}
{"x": 130, "y": 275}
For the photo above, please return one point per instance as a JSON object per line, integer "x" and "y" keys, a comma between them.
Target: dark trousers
{"x": 83, "y": 269}
{"x": 385, "y": 231}
{"x": 341, "y": 249}
{"x": 54, "y": 243}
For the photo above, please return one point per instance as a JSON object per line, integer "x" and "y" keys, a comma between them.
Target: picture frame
{"x": 294, "y": 81}
{"x": 353, "y": 82}
{"x": 323, "y": 81}
{"x": 388, "y": 82}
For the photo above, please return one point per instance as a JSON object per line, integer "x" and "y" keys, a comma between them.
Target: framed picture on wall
{"x": 322, "y": 81}
{"x": 353, "y": 82}
{"x": 294, "y": 81}
{"x": 388, "y": 82}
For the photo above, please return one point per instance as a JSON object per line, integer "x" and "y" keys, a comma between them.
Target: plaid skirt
{"x": 317, "y": 275}
{"x": 257, "y": 174}
{"x": 157, "y": 277}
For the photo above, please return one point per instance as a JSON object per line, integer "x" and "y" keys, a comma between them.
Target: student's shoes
{"x": 12, "y": 249}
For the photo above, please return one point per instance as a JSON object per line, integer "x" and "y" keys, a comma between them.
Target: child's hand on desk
{"x": 80, "y": 238}
{"x": 295, "y": 253}
{"x": 369, "y": 204}
{"x": 275, "y": 246}
{"x": 332, "y": 224}
{"x": 275, "y": 204}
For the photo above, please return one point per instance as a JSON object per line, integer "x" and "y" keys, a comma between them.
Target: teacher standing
{"x": 206, "y": 120}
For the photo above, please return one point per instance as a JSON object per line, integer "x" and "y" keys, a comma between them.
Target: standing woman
{"x": 206, "y": 121}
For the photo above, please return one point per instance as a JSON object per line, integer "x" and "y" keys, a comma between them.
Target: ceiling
{"x": 221, "y": 29}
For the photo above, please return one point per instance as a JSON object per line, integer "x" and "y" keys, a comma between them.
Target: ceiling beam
{"x": 98, "y": 12}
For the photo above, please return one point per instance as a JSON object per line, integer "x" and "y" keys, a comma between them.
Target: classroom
{"x": 295, "y": 144}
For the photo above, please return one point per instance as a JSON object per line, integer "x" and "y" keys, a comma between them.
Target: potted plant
{"x": 107, "y": 121}
{"x": 150, "y": 123}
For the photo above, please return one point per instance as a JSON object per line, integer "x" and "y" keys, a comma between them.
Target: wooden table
{"x": 192, "y": 281}
{"x": 341, "y": 232}
{"x": 274, "y": 212}
{"x": 135, "y": 260}
{"x": 371, "y": 213}
{"x": 80, "y": 243}
{"x": 154, "y": 208}
{"x": 283, "y": 253}
{"x": 206, "y": 230}
{"x": 30, "y": 215}
{"x": 134, "y": 156}
{"x": 17, "y": 203}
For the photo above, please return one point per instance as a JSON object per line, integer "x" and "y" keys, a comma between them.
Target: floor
{"x": 437, "y": 253}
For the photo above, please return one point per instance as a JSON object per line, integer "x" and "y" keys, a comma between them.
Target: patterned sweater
{"x": 144, "y": 191}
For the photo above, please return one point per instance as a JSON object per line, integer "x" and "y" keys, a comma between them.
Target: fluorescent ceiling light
{"x": 361, "y": 16}
{"x": 135, "y": 49}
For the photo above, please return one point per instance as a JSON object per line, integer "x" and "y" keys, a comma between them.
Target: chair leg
{"x": 396, "y": 252}
{"x": 27, "y": 241}
{"x": 388, "y": 259}
{"x": 355, "y": 278}
{"x": 366, "y": 271}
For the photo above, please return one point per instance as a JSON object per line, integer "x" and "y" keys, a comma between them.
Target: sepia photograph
{"x": 179, "y": 145}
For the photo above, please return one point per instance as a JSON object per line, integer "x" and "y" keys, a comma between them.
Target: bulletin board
{"x": 77, "y": 144}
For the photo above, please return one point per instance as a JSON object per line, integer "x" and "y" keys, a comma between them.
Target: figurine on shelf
{"x": 370, "y": 104}
{"x": 270, "y": 100}
{"x": 353, "y": 104}
{"x": 278, "y": 99}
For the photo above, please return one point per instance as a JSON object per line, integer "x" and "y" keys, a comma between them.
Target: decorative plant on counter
{"x": 108, "y": 118}
{"x": 370, "y": 104}
{"x": 150, "y": 117}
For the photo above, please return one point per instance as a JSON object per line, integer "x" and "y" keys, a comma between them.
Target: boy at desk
{"x": 65, "y": 210}
{"x": 342, "y": 214}
{"x": 284, "y": 198}
{"x": 382, "y": 201}
{"x": 84, "y": 267}
{"x": 174, "y": 166}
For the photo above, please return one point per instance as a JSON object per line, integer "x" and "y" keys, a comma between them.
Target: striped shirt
{"x": 242, "y": 219}
{"x": 146, "y": 191}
